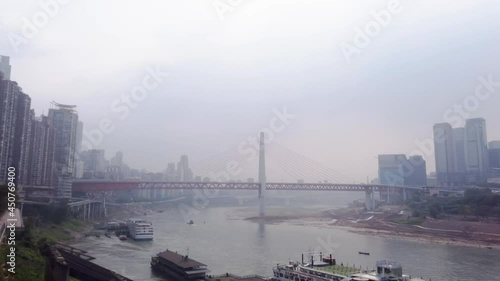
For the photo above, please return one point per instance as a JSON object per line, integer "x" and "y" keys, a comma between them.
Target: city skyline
{"x": 454, "y": 133}
{"x": 333, "y": 110}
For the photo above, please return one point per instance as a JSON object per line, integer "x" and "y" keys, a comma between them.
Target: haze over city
{"x": 227, "y": 75}
{"x": 249, "y": 140}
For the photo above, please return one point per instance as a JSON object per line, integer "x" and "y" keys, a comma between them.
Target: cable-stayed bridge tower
{"x": 262, "y": 176}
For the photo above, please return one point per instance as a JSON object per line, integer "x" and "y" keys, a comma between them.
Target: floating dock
{"x": 180, "y": 267}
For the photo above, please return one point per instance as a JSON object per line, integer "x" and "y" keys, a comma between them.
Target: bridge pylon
{"x": 262, "y": 176}
{"x": 369, "y": 199}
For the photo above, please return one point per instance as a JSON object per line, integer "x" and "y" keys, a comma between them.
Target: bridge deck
{"x": 96, "y": 186}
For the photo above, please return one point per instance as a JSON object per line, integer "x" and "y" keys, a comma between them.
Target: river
{"x": 229, "y": 244}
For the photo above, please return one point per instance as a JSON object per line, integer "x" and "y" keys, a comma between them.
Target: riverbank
{"x": 392, "y": 223}
{"x": 30, "y": 262}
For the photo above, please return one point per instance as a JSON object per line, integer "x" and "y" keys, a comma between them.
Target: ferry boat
{"x": 386, "y": 271}
{"x": 179, "y": 267}
{"x": 140, "y": 229}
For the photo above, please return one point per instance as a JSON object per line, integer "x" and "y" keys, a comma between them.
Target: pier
{"x": 63, "y": 262}
{"x": 88, "y": 209}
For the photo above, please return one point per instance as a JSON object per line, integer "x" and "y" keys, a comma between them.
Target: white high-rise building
{"x": 476, "y": 150}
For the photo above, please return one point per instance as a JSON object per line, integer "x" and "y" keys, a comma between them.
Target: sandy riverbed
{"x": 448, "y": 231}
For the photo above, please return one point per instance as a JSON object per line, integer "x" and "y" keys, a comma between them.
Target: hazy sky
{"x": 227, "y": 74}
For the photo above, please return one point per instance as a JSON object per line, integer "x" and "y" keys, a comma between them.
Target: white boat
{"x": 386, "y": 271}
{"x": 140, "y": 229}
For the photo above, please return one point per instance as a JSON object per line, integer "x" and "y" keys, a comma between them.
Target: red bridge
{"x": 101, "y": 186}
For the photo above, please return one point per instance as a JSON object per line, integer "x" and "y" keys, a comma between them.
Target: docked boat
{"x": 140, "y": 229}
{"x": 178, "y": 267}
{"x": 112, "y": 225}
{"x": 321, "y": 271}
{"x": 295, "y": 271}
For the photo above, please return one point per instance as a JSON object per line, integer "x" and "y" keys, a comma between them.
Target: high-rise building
{"x": 415, "y": 171}
{"x": 494, "y": 157}
{"x": 64, "y": 119}
{"x": 22, "y": 136}
{"x": 396, "y": 169}
{"x": 5, "y": 67}
{"x": 459, "y": 146}
{"x": 117, "y": 169}
{"x": 15, "y": 126}
{"x": 183, "y": 170}
{"x": 180, "y": 173}
{"x": 494, "y": 145}
{"x": 476, "y": 150}
{"x": 79, "y": 164}
{"x": 390, "y": 169}
{"x": 41, "y": 157}
{"x": 444, "y": 153}
{"x": 95, "y": 164}
{"x": 171, "y": 174}
{"x": 117, "y": 160}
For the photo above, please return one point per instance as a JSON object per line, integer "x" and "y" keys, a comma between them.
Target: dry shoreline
{"x": 451, "y": 231}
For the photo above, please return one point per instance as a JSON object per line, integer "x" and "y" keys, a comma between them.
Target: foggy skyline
{"x": 227, "y": 76}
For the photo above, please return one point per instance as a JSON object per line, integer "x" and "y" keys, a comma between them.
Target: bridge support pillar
{"x": 104, "y": 211}
{"x": 84, "y": 212}
{"x": 91, "y": 213}
{"x": 369, "y": 200}
{"x": 88, "y": 211}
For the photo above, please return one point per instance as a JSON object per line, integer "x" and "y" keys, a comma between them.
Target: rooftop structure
{"x": 178, "y": 266}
